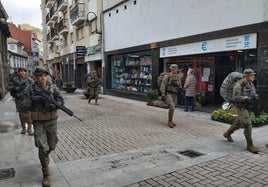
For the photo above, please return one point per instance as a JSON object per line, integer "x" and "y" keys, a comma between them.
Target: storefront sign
{"x": 80, "y": 51}
{"x": 241, "y": 42}
{"x": 92, "y": 50}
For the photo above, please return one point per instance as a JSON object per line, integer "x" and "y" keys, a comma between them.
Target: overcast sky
{"x": 23, "y": 11}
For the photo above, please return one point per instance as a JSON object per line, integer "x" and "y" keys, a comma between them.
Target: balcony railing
{"x": 62, "y": 5}
{"x": 63, "y": 26}
{"x": 47, "y": 18}
{"x": 77, "y": 14}
{"x": 54, "y": 32}
{"x": 49, "y": 3}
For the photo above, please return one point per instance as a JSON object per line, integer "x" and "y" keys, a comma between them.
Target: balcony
{"x": 49, "y": 3}
{"x": 54, "y": 33}
{"x": 49, "y": 22}
{"x": 62, "y": 5}
{"x": 63, "y": 27}
{"x": 77, "y": 14}
{"x": 53, "y": 13}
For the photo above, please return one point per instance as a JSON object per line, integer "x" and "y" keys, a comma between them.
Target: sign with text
{"x": 80, "y": 51}
{"x": 241, "y": 42}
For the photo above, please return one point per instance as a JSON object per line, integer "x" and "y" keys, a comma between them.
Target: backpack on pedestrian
{"x": 160, "y": 80}
{"x": 226, "y": 89}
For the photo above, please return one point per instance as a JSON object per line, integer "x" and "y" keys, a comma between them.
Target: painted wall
{"x": 150, "y": 21}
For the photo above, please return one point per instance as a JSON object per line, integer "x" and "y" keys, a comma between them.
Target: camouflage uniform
{"x": 44, "y": 116}
{"x": 169, "y": 90}
{"x": 18, "y": 87}
{"x": 242, "y": 93}
{"x": 93, "y": 88}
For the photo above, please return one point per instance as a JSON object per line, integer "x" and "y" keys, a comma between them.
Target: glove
{"x": 37, "y": 99}
{"x": 163, "y": 98}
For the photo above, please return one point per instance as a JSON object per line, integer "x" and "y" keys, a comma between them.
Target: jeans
{"x": 189, "y": 101}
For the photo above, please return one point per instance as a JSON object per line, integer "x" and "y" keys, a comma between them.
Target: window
{"x": 132, "y": 72}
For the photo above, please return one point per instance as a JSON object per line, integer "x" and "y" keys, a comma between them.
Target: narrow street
{"x": 124, "y": 142}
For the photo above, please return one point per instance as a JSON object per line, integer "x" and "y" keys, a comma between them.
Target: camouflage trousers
{"x": 171, "y": 101}
{"x": 242, "y": 120}
{"x": 46, "y": 139}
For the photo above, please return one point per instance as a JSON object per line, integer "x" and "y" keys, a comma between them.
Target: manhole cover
{"x": 191, "y": 153}
{"x": 7, "y": 173}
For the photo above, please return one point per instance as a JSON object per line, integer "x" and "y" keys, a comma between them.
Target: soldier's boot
{"x": 23, "y": 130}
{"x": 228, "y": 136}
{"x": 170, "y": 124}
{"x": 250, "y": 147}
{"x": 170, "y": 121}
{"x": 29, "y": 129}
{"x": 46, "y": 177}
{"x": 89, "y": 101}
{"x": 96, "y": 102}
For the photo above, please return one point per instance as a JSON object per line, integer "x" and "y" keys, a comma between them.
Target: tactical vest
{"x": 173, "y": 84}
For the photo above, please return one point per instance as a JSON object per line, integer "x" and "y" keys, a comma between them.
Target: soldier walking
{"x": 93, "y": 86}
{"x": 243, "y": 91}
{"x": 44, "y": 116}
{"x": 169, "y": 89}
{"x": 18, "y": 85}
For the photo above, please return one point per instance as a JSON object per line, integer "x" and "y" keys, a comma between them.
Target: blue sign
{"x": 204, "y": 46}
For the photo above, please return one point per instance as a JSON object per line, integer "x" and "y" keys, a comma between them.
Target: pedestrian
{"x": 86, "y": 78}
{"x": 18, "y": 85}
{"x": 190, "y": 90}
{"x": 243, "y": 91}
{"x": 44, "y": 116}
{"x": 93, "y": 86}
{"x": 169, "y": 89}
{"x": 59, "y": 81}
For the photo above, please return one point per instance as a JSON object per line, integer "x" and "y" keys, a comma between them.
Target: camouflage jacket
{"x": 242, "y": 89}
{"x": 42, "y": 105}
{"x": 170, "y": 84}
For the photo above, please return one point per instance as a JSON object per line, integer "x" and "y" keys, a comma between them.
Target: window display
{"x": 132, "y": 72}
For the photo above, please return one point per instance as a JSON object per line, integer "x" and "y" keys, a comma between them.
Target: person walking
{"x": 243, "y": 91}
{"x": 93, "y": 86}
{"x": 44, "y": 117}
{"x": 169, "y": 89}
{"x": 190, "y": 90}
{"x": 18, "y": 87}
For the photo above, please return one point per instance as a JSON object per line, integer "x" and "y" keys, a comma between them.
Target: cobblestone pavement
{"x": 240, "y": 169}
{"x": 125, "y": 143}
{"x": 114, "y": 127}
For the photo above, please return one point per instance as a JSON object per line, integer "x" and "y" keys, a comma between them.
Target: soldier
{"x": 44, "y": 116}
{"x": 243, "y": 91}
{"x": 18, "y": 87}
{"x": 93, "y": 86}
{"x": 169, "y": 89}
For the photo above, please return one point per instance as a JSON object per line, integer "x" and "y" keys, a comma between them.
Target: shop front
{"x": 212, "y": 61}
{"x": 130, "y": 73}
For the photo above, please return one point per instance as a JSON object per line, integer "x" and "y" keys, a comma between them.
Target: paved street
{"x": 124, "y": 142}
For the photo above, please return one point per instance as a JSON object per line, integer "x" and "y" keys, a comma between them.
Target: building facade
{"x": 4, "y": 68}
{"x": 70, "y": 46}
{"x": 30, "y": 45}
{"x": 17, "y": 56}
{"x": 143, "y": 37}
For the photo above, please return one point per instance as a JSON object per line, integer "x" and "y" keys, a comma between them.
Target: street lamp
{"x": 87, "y": 22}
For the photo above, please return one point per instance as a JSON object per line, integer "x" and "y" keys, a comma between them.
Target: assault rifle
{"x": 252, "y": 103}
{"x": 46, "y": 95}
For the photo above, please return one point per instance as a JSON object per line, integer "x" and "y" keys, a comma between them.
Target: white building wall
{"x": 156, "y": 20}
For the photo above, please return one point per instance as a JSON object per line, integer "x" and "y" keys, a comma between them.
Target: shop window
{"x": 132, "y": 72}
